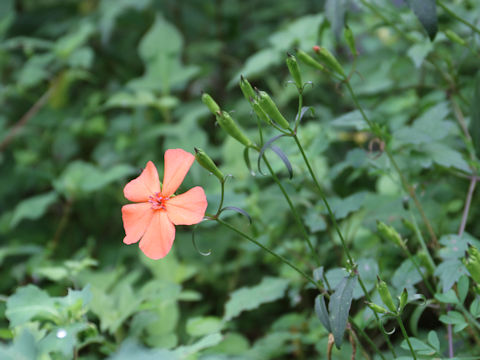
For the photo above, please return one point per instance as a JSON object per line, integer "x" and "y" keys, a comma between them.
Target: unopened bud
{"x": 228, "y": 124}
{"x": 377, "y": 308}
{"x": 206, "y": 162}
{"x": 310, "y": 61}
{"x": 267, "y": 104}
{"x": 247, "y": 89}
{"x": 328, "y": 59}
{"x": 390, "y": 234}
{"x": 211, "y": 104}
{"x": 385, "y": 295}
{"x": 455, "y": 38}
{"x": 350, "y": 39}
{"x": 294, "y": 70}
{"x": 472, "y": 263}
{"x": 403, "y": 298}
{"x": 260, "y": 113}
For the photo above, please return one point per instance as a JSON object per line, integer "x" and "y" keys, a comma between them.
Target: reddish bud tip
{"x": 316, "y": 48}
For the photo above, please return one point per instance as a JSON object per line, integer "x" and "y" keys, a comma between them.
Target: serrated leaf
{"x": 321, "y": 312}
{"x": 339, "y": 307}
{"x": 249, "y": 298}
{"x": 30, "y": 302}
{"x": 426, "y": 12}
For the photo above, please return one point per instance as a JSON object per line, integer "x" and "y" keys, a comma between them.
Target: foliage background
{"x": 111, "y": 84}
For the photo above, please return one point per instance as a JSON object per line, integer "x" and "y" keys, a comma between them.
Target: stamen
{"x": 158, "y": 201}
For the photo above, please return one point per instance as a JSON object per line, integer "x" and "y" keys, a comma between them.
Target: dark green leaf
{"x": 321, "y": 312}
{"x": 426, "y": 12}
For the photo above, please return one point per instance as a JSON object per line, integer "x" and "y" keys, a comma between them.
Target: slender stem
{"x": 414, "y": 262}
{"x": 466, "y": 209}
{"x": 222, "y": 184}
{"x": 293, "y": 209}
{"x": 405, "y": 335}
{"x": 404, "y": 181}
{"x": 271, "y": 252}
{"x": 421, "y": 240}
{"x": 458, "y": 18}
{"x": 337, "y": 229}
{"x": 450, "y": 340}
{"x": 367, "y": 338}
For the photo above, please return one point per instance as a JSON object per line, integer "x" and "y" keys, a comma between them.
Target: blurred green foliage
{"x": 93, "y": 89}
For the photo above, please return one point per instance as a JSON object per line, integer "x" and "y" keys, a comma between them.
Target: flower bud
{"x": 211, "y": 104}
{"x": 228, "y": 124}
{"x": 247, "y": 89}
{"x": 260, "y": 113}
{"x": 294, "y": 70}
{"x": 472, "y": 263}
{"x": 377, "y": 308}
{"x": 385, "y": 295}
{"x": 403, "y": 298}
{"x": 390, "y": 234}
{"x": 329, "y": 60}
{"x": 310, "y": 61}
{"x": 206, "y": 162}
{"x": 455, "y": 38}
{"x": 350, "y": 39}
{"x": 267, "y": 104}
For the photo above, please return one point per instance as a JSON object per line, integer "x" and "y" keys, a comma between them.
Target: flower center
{"x": 158, "y": 201}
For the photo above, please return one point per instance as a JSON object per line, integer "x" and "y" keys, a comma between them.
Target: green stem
{"x": 414, "y": 262}
{"x": 271, "y": 252}
{"x": 366, "y": 337}
{"x": 293, "y": 209}
{"x": 410, "y": 190}
{"x": 405, "y": 335}
{"x": 344, "y": 245}
{"x": 421, "y": 240}
{"x": 456, "y": 17}
{"x": 222, "y": 184}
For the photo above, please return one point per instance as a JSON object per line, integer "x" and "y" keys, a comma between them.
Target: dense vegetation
{"x": 366, "y": 204}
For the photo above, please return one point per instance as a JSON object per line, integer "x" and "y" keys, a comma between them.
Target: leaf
{"x": 433, "y": 340}
{"x": 426, "y": 12}
{"x": 339, "y": 307}
{"x": 475, "y": 308}
{"x": 335, "y": 11}
{"x": 281, "y": 155}
{"x": 162, "y": 39}
{"x": 449, "y": 271}
{"x": 238, "y": 210}
{"x": 203, "y": 325}
{"x": 454, "y": 318}
{"x": 33, "y": 208}
{"x": 418, "y": 346}
{"x": 322, "y": 313}
{"x": 407, "y": 275}
{"x": 449, "y": 297}
{"x": 131, "y": 350}
{"x": 418, "y": 52}
{"x": 462, "y": 288}
{"x": 28, "y": 303}
{"x": 204, "y": 343}
{"x": 22, "y": 348}
{"x": 249, "y": 298}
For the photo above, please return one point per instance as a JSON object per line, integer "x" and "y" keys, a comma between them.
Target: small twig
{"x": 24, "y": 119}
{"x": 468, "y": 201}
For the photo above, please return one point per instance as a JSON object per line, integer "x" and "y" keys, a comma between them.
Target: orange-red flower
{"x": 151, "y": 220}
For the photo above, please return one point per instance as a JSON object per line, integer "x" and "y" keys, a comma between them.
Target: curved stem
{"x": 222, "y": 184}
{"x": 271, "y": 252}
{"x": 456, "y": 17}
{"x": 410, "y": 190}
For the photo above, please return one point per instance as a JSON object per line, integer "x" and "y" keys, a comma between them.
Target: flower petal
{"x": 187, "y": 208}
{"x": 177, "y": 164}
{"x": 142, "y": 187}
{"x": 136, "y": 218}
{"x": 158, "y": 239}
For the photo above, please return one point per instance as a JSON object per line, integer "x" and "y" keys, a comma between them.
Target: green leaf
{"x": 454, "y": 318}
{"x": 433, "y": 340}
{"x": 33, "y": 208}
{"x": 462, "y": 288}
{"x": 249, "y": 298}
{"x": 204, "y": 343}
{"x": 130, "y": 350}
{"x": 426, "y": 12}
{"x": 449, "y": 297}
{"x": 418, "y": 346}
{"x": 449, "y": 271}
{"x": 407, "y": 274}
{"x": 203, "y": 325}
{"x": 30, "y": 303}
{"x": 22, "y": 348}
{"x": 162, "y": 39}
{"x": 339, "y": 307}
{"x": 475, "y": 308}
{"x": 321, "y": 312}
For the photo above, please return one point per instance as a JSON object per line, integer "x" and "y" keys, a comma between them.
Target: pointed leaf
{"x": 264, "y": 148}
{"x": 321, "y": 312}
{"x": 284, "y": 158}
{"x": 426, "y": 12}
{"x": 339, "y": 307}
{"x": 238, "y": 210}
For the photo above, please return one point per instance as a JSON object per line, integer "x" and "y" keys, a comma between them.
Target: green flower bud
{"x": 206, "y": 162}
{"x": 403, "y": 298}
{"x": 247, "y": 89}
{"x": 350, "y": 39}
{"x": 455, "y": 38}
{"x": 377, "y": 308}
{"x": 228, "y": 124}
{"x": 328, "y": 59}
{"x": 260, "y": 113}
{"x": 211, "y": 104}
{"x": 472, "y": 263}
{"x": 294, "y": 70}
{"x": 267, "y": 104}
{"x": 310, "y": 61}
{"x": 385, "y": 295}
{"x": 390, "y": 234}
